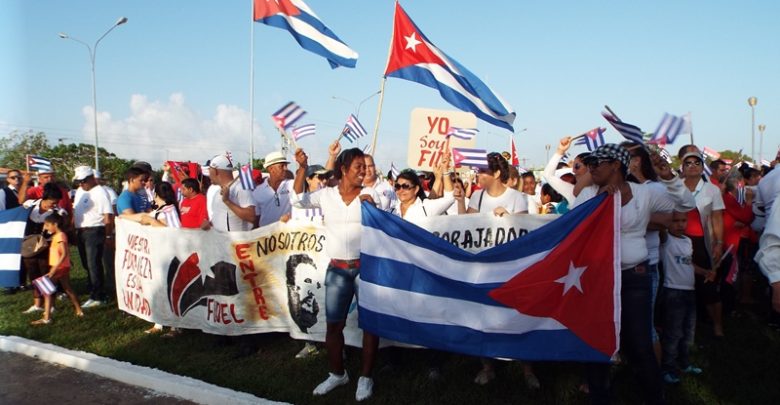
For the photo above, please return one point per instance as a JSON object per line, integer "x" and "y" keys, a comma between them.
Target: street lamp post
{"x": 761, "y": 129}
{"x": 92, "y": 52}
{"x": 752, "y": 101}
{"x": 547, "y": 148}
{"x": 358, "y": 105}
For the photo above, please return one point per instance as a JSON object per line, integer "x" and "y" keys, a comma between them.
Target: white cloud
{"x": 157, "y": 130}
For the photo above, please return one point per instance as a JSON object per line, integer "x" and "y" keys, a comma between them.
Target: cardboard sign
{"x": 427, "y": 135}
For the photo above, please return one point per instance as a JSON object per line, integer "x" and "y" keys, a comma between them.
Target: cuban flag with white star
{"x": 552, "y": 294}
{"x": 413, "y": 57}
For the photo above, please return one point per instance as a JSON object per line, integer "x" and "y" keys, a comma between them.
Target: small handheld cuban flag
{"x": 394, "y": 170}
{"x": 766, "y": 163}
{"x": 670, "y": 127}
{"x": 44, "y": 285}
{"x": 245, "y": 175}
{"x": 303, "y": 131}
{"x": 353, "y": 129}
{"x": 39, "y": 163}
{"x": 710, "y": 153}
{"x": 462, "y": 133}
{"x": 592, "y": 139}
{"x": 741, "y": 194}
{"x": 470, "y": 157}
{"x": 171, "y": 216}
{"x": 630, "y": 132}
{"x": 288, "y": 115}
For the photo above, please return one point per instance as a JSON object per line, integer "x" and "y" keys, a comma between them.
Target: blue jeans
{"x": 340, "y": 286}
{"x": 635, "y": 340}
{"x": 654, "y": 279}
{"x": 679, "y": 327}
{"x": 90, "y": 243}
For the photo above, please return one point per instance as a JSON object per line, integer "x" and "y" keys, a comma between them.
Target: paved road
{"x": 26, "y": 380}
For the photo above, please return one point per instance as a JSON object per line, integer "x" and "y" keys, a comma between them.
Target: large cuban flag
{"x": 307, "y": 29}
{"x": 553, "y": 294}
{"x": 12, "y": 224}
{"x": 413, "y": 57}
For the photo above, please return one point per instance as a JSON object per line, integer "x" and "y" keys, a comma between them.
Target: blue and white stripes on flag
{"x": 630, "y": 132}
{"x": 39, "y": 163}
{"x": 245, "y": 175}
{"x": 592, "y": 139}
{"x": 304, "y": 131}
{"x": 12, "y": 224}
{"x": 741, "y": 194}
{"x": 766, "y": 163}
{"x": 670, "y": 127}
{"x": 353, "y": 129}
{"x": 307, "y": 29}
{"x": 288, "y": 115}
{"x": 470, "y": 157}
{"x": 171, "y": 216}
{"x": 44, "y": 285}
{"x": 463, "y": 133}
{"x": 394, "y": 171}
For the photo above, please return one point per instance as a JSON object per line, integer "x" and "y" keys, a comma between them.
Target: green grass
{"x": 744, "y": 368}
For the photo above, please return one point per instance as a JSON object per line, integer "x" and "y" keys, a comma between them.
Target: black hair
{"x": 555, "y": 196}
{"x": 684, "y": 149}
{"x": 528, "y": 174}
{"x": 51, "y": 192}
{"x": 514, "y": 173}
{"x": 582, "y": 156}
{"x": 715, "y": 164}
{"x": 165, "y": 191}
{"x": 55, "y": 218}
{"x": 645, "y": 165}
{"x": 412, "y": 177}
{"x": 345, "y": 159}
{"x": 191, "y": 183}
{"x": 134, "y": 172}
{"x": 292, "y": 264}
{"x": 496, "y": 162}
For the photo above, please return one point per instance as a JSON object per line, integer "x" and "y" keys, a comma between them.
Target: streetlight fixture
{"x": 92, "y": 53}
{"x": 761, "y": 129}
{"x": 358, "y": 105}
{"x": 547, "y": 148}
{"x": 752, "y": 101}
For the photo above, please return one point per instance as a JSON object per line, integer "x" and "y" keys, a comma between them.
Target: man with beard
{"x": 301, "y": 288}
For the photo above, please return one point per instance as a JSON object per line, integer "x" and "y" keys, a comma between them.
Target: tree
{"x": 17, "y": 145}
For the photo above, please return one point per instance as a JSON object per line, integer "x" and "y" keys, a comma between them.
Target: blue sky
{"x": 174, "y": 81}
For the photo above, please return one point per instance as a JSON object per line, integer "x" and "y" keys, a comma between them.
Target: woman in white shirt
{"x": 412, "y": 204}
{"x": 342, "y": 219}
{"x": 495, "y": 197}
{"x": 608, "y": 166}
{"x": 579, "y": 169}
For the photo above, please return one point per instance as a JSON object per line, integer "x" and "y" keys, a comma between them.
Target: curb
{"x": 163, "y": 382}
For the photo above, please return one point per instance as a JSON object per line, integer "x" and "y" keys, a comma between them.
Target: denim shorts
{"x": 340, "y": 287}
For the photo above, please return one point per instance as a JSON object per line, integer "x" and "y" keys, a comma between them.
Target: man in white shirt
{"x": 9, "y": 195}
{"x": 272, "y": 197}
{"x": 231, "y": 208}
{"x": 92, "y": 215}
{"x": 381, "y": 187}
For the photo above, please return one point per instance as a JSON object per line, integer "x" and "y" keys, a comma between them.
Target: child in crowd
{"x": 679, "y": 300}
{"x": 59, "y": 266}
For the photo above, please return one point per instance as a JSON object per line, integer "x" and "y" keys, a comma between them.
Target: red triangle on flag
{"x": 515, "y": 159}
{"x": 575, "y": 283}
{"x": 457, "y": 157}
{"x": 409, "y": 46}
{"x": 268, "y": 8}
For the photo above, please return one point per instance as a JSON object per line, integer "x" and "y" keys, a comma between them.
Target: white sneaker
{"x": 308, "y": 350}
{"x": 91, "y": 303}
{"x": 331, "y": 382}
{"x": 33, "y": 309}
{"x": 365, "y": 388}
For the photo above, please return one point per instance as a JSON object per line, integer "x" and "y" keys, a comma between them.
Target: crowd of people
{"x": 693, "y": 246}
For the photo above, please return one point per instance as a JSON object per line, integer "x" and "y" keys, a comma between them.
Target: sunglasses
{"x": 597, "y": 162}
{"x": 692, "y": 163}
{"x": 405, "y": 186}
{"x": 13, "y": 177}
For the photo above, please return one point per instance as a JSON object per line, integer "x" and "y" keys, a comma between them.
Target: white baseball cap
{"x": 82, "y": 172}
{"x": 221, "y": 162}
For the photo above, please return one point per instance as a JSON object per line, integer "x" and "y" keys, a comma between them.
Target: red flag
{"x": 515, "y": 160}
{"x": 267, "y": 8}
{"x": 576, "y": 278}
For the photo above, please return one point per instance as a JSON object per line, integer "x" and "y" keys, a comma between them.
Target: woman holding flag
{"x": 608, "y": 166}
{"x": 341, "y": 208}
{"x": 413, "y": 205}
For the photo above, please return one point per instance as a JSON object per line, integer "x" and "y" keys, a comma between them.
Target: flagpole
{"x": 690, "y": 116}
{"x": 27, "y": 162}
{"x": 252, "y": 86}
{"x": 378, "y": 114}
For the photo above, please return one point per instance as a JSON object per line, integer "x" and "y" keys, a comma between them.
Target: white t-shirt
{"x": 635, "y": 215}
{"x": 512, "y": 200}
{"x": 421, "y": 209}
{"x": 90, "y": 206}
{"x": 211, "y": 194}
{"x": 387, "y": 197}
{"x": 533, "y": 204}
{"x": 221, "y": 217}
{"x": 676, "y": 254}
{"x": 653, "y": 238}
{"x": 270, "y": 205}
{"x": 342, "y": 222}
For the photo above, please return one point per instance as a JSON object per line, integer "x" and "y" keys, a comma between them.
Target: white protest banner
{"x": 270, "y": 279}
{"x": 427, "y": 135}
